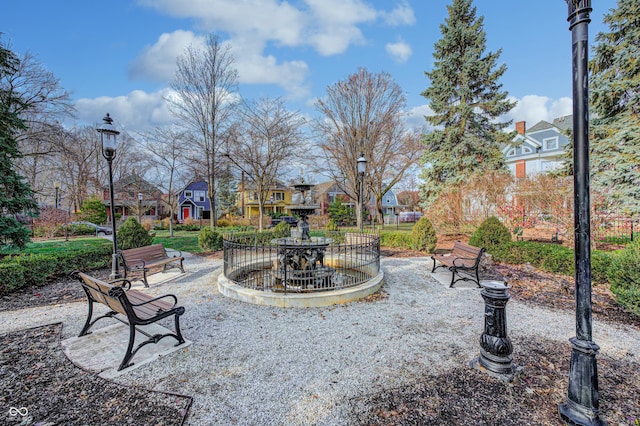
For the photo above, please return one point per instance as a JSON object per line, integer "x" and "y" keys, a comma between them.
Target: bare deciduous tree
{"x": 265, "y": 139}
{"x": 363, "y": 115}
{"x": 167, "y": 148}
{"x": 205, "y": 85}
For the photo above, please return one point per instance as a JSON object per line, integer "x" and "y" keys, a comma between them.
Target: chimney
{"x": 521, "y": 127}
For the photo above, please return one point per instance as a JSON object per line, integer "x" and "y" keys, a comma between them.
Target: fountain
{"x": 300, "y": 270}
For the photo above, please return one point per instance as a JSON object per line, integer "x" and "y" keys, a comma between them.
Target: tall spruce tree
{"x": 615, "y": 102}
{"x": 16, "y": 196}
{"x": 466, "y": 99}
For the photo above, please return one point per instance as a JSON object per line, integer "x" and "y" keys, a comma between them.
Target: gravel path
{"x": 270, "y": 366}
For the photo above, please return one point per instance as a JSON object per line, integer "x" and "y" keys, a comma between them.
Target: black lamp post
{"x": 140, "y": 207}
{"x": 582, "y": 406}
{"x": 362, "y": 167}
{"x": 57, "y": 186}
{"x": 108, "y": 135}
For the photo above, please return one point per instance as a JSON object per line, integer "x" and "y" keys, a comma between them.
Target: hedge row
{"x": 551, "y": 258}
{"x": 36, "y": 269}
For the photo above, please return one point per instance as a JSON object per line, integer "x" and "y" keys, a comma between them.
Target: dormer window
{"x": 188, "y": 194}
{"x": 550, "y": 143}
{"x": 526, "y": 150}
{"x": 511, "y": 152}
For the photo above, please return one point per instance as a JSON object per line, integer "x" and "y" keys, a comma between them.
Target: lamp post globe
{"x": 140, "y": 207}
{"x": 108, "y": 135}
{"x": 362, "y": 168}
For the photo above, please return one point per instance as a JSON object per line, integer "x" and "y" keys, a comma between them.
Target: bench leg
{"x": 144, "y": 278}
{"x": 181, "y": 266}
{"x": 129, "y": 354}
{"x": 87, "y": 324}
{"x": 177, "y": 325}
{"x": 478, "y": 278}
{"x": 453, "y": 278}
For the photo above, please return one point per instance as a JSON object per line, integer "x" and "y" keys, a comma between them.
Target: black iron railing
{"x": 329, "y": 261}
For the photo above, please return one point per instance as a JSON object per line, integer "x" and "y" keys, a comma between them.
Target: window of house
{"x": 550, "y": 143}
{"x": 278, "y": 196}
{"x": 188, "y": 194}
{"x": 511, "y": 152}
{"x": 526, "y": 150}
{"x": 199, "y": 196}
{"x": 200, "y": 209}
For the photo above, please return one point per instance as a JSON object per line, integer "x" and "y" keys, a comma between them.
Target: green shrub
{"x": 25, "y": 270}
{"x": 624, "y": 277}
{"x": 92, "y": 210}
{"x": 396, "y": 239}
{"x": 491, "y": 234}
{"x": 423, "y": 236}
{"x": 281, "y": 230}
{"x": 210, "y": 240}
{"x": 11, "y": 277}
{"x": 132, "y": 235}
{"x": 332, "y": 225}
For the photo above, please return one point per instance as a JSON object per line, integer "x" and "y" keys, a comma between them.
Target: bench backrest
{"x": 467, "y": 251}
{"x": 146, "y": 253}
{"x": 99, "y": 291}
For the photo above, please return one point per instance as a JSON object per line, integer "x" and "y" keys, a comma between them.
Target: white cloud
{"x": 158, "y": 62}
{"x": 137, "y": 111}
{"x": 400, "y": 51}
{"x": 534, "y": 108}
{"x": 402, "y": 14}
{"x": 415, "y": 118}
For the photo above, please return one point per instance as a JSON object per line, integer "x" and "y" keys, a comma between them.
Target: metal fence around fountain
{"x": 329, "y": 261}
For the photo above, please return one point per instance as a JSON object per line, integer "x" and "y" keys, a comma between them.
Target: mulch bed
{"x": 45, "y": 388}
{"x": 465, "y": 396}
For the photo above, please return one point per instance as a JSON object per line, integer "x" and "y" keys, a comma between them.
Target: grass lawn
{"x": 44, "y": 247}
{"x": 186, "y": 241}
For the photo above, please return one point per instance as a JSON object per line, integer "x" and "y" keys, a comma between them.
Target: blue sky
{"x": 119, "y": 56}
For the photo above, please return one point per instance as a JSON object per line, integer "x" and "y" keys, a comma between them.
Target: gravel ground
{"x": 400, "y": 357}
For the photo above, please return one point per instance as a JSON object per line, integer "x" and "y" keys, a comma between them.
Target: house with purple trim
{"x": 193, "y": 202}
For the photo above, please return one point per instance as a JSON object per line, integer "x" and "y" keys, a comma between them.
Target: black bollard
{"x": 495, "y": 346}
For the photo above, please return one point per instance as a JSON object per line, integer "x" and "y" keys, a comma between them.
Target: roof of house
{"x": 541, "y": 125}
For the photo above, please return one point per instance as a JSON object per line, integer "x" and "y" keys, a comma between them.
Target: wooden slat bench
{"x": 142, "y": 259}
{"x": 136, "y": 307}
{"x": 539, "y": 234}
{"x": 463, "y": 258}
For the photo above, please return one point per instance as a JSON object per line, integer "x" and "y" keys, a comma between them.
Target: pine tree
{"x": 16, "y": 197}
{"x": 615, "y": 104}
{"x": 466, "y": 99}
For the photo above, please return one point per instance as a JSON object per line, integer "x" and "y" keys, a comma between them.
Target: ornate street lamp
{"x": 582, "y": 406}
{"x": 108, "y": 135}
{"x": 140, "y": 207}
{"x": 57, "y": 186}
{"x": 362, "y": 168}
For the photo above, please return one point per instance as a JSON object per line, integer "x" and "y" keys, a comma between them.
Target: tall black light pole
{"x": 108, "y": 135}
{"x": 362, "y": 168}
{"x": 57, "y": 203}
{"x": 140, "y": 208}
{"x": 582, "y": 406}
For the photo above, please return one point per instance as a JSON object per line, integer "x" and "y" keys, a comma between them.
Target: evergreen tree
{"x": 615, "y": 102}
{"x": 16, "y": 197}
{"x": 466, "y": 99}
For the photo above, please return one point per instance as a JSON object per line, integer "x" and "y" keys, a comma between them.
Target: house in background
{"x": 539, "y": 149}
{"x": 193, "y": 202}
{"x": 278, "y": 199}
{"x": 125, "y": 194}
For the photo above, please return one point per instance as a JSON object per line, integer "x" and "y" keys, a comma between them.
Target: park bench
{"x": 142, "y": 259}
{"x": 136, "y": 307}
{"x": 463, "y": 258}
{"x": 549, "y": 235}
